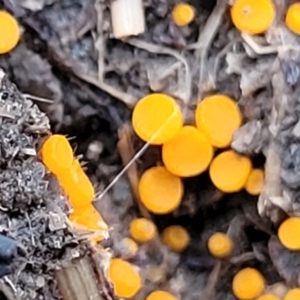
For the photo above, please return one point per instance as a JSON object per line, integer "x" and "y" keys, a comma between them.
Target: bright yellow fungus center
{"x": 126, "y": 280}
{"x": 142, "y": 230}
{"x": 88, "y": 218}
{"x": 217, "y": 117}
{"x": 253, "y": 16}
{"x": 189, "y": 153}
{"x": 9, "y": 32}
{"x": 160, "y": 295}
{"x": 229, "y": 171}
{"x": 292, "y": 18}
{"x": 289, "y": 233}
{"x": 176, "y": 238}
{"x": 293, "y": 294}
{"x": 160, "y": 191}
{"x": 77, "y": 186}
{"x": 220, "y": 245}
{"x": 255, "y": 182}
{"x": 157, "y": 118}
{"x": 57, "y": 154}
{"x": 183, "y": 14}
{"x": 248, "y": 284}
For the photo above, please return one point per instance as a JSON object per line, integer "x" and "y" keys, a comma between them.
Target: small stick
{"x": 122, "y": 96}
{"x": 6, "y": 291}
{"x": 206, "y": 38}
{"x": 210, "y": 289}
{"x": 78, "y": 281}
{"x": 128, "y": 18}
{"x": 39, "y": 99}
{"x": 126, "y": 151}
{"x": 100, "y": 41}
{"x": 258, "y": 49}
{"x": 273, "y": 189}
{"x": 157, "y": 49}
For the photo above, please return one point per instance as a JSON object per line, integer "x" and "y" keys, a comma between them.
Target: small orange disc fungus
{"x": 292, "y": 18}
{"x": 77, "y": 186}
{"x": 176, "y": 238}
{"x": 253, "y": 16}
{"x": 255, "y": 182}
{"x": 293, "y": 294}
{"x": 142, "y": 230}
{"x": 130, "y": 247}
{"x": 160, "y": 191}
{"x": 289, "y": 233}
{"x": 189, "y": 153}
{"x": 220, "y": 245}
{"x": 268, "y": 297}
{"x": 9, "y": 32}
{"x": 160, "y": 295}
{"x": 57, "y": 154}
{"x": 157, "y": 118}
{"x": 126, "y": 280}
{"x": 248, "y": 284}
{"x": 88, "y": 218}
{"x": 218, "y": 117}
{"x": 183, "y": 14}
{"x": 229, "y": 171}
{"x": 278, "y": 289}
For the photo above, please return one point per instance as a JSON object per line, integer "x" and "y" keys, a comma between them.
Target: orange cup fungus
{"x": 253, "y": 16}
{"x": 289, "y": 233}
{"x": 248, "y": 284}
{"x": 130, "y": 246}
{"x": 160, "y": 295}
{"x": 157, "y": 118}
{"x": 176, "y": 238}
{"x": 77, "y": 185}
{"x": 57, "y": 154}
{"x": 183, "y": 14}
{"x": 292, "y": 18}
{"x": 220, "y": 245}
{"x": 293, "y": 294}
{"x": 229, "y": 171}
{"x": 255, "y": 182}
{"x": 189, "y": 153}
{"x": 126, "y": 280}
{"x": 9, "y": 32}
{"x": 217, "y": 117}
{"x": 142, "y": 230}
{"x": 160, "y": 191}
{"x": 88, "y": 218}
{"x": 268, "y": 297}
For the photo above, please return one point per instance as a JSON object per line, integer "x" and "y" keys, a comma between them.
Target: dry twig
{"x": 209, "y": 291}
{"x": 272, "y": 192}
{"x": 100, "y": 41}
{"x": 152, "y": 48}
{"x": 78, "y": 281}
{"x": 206, "y": 37}
{"x": 126, "y": 151}
{"x": 128, "y": 18}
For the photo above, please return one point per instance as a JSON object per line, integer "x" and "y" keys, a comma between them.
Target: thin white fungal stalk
{"x": 136, "y": 156}
{"x": 128, "y": 18}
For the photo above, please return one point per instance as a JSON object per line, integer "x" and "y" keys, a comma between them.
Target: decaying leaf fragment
{"x": 286, "y": 262}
